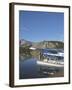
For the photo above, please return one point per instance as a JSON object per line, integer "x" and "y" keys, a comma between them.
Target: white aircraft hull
{"x": 50, "y": 64}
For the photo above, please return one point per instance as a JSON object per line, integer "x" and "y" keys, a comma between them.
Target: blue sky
{"x": 38, "y": 26}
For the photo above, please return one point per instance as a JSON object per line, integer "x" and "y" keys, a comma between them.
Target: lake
{"x": 28, "y": 68}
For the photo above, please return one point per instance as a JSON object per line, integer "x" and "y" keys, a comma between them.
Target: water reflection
{"x": 28, "y": 68}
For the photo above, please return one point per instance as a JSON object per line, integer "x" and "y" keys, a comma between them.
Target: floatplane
{"x": 52, "y": 60}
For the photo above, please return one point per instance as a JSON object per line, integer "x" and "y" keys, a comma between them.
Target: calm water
{"x": 29, "y": 69}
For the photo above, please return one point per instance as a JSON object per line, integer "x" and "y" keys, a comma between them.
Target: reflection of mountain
{"x": 42, "y": 44}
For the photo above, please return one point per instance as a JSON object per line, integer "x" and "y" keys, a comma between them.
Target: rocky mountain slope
{"x": 42, "y": 44}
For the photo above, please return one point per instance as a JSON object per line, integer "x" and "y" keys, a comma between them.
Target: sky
{"x": 37, "y": 26}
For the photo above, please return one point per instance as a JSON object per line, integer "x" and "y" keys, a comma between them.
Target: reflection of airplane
{"x": 50, "y": 66}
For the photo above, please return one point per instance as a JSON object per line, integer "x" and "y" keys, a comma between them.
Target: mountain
{"x": 49, "y": 44}
{"x": 23, "y": 42}
{"x": 42, "y": 44}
